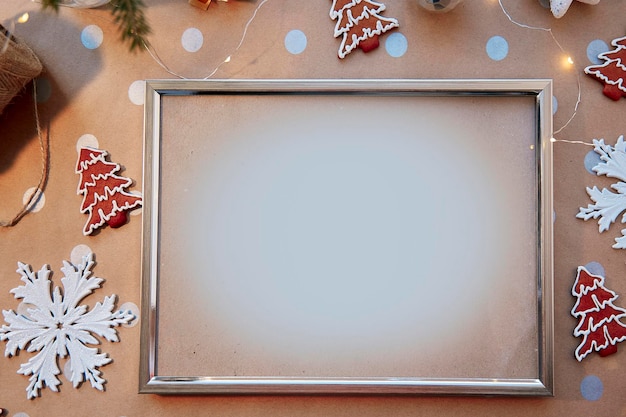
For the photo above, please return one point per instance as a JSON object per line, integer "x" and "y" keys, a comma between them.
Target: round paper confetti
{"x": 497, "y": 48}
{"x": 555, "y": 104}
{"x": 79, "y": 251}
{"x": 591, "y": 388}
{"x": 295, "y": 42}
{"x": 595, "y": 268}
{"x": 91, "y": 37}
{"x": 44, "y": 89}
{"x": 67, "y": 370}
{"x": 138, "y": 210}
{"x": 22, "y": 309}
{"x": 137, "y": 91}
{"x": 87, "y": 140}
{"x": 132, "y": 307}
{"x": 39, "y": 201}
{"x": 192, "y": 40}
{"x": 396, "y": 44}
{"x": 595, "y": 48}
{"x": 20, "y": 415}
{"x": 591, "y": 160}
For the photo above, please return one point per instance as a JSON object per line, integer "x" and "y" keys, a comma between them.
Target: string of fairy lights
{"x": 160, "y": 62}
{"x": 569, "y": 60}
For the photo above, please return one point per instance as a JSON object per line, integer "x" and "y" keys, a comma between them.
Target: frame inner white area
{"x": 348, "y": 236}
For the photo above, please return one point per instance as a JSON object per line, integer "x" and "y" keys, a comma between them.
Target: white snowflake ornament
{"x": 608, "y": 205}
{"x": 560, "y": 7}
{"x": 56, "y": 326}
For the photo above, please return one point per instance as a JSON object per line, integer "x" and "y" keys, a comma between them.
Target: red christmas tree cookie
{"x": 599, "y": 320}
{"x": 105, "y": 198}
{"x": 613, "y": 72}
{"x": 359, "y": 24}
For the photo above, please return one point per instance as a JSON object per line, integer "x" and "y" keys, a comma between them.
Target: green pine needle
{"x": 132, "y": 22}
{"x": 129, "y": 16}
{"x": 53, "y": 4}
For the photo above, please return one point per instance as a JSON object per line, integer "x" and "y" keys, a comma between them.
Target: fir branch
{"x": 132, "y": 22}
{"x": 52, "y": 4}
{"x": 129, "y": 16}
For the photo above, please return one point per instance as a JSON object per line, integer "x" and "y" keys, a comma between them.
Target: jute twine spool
{"x": 18, "y": 66}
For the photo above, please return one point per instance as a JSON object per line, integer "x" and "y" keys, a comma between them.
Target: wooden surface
{"x": 86, "y": 91}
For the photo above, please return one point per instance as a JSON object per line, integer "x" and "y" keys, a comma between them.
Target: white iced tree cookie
{"x": 56, "y": 326}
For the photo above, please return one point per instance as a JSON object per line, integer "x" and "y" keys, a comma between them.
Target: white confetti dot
{"x": 591, "y": 160}
{"x": 87, "y": 140}
{"x": 595, "y": 268}
{"x": 132, "y": 307}
{"x": 295, "y": 42}
{"x": 22, "y": 414}
{"x": 497, "y": 48}
{"x": 595, "y": 48}
{"x": 139, "y": 210}
{"x": 192, "y": 40}
{"x": 22, "y": 309}
{"x": 67, "y": 370}
{"x": 79, "y": 251}
{"x": 44, "y": 89}
{"x": 38, "y": 202}
{"x": 396, "y": 44}
{"x": 137, "y": 92}
{"x": 591, "y": 388}
{"x": 91, "y": 37}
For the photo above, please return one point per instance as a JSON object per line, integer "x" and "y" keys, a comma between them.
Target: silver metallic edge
{"x": 152, "y": 383}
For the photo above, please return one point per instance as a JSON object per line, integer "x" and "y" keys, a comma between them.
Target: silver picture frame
{"x": 509, "y": 124}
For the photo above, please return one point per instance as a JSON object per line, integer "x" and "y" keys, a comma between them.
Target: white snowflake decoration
{"x": 56, "y": 326}
{"x": 608, "y": 204}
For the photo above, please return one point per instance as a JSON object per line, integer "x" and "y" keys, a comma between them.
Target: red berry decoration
{"x": 118, "y": 220}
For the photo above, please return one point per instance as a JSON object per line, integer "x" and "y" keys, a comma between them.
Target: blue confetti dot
{"x": 295, "y": 42}
{"x": 396, "y": 44}
{"x": 595, "y": 268}
{"x": 91, "y": 37}
{"x": 595, "y": 48}
{"x": 591, "y": 388}
{"x": 497, "y": 48}
{"x": 555, "y": 104}
{"x": 591, "y": 160}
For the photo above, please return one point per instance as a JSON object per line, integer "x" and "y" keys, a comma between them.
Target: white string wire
{"x": 558, "y": 44}
{"x": 155, "y": 56}
{"x": 576, "y": 142}
{"x": 243, "y": 36}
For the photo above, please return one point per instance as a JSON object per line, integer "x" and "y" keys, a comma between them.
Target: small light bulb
{"x": 227, "y": 60}
{"x": 23, "y": 18}
{"x": 552, "y": 140}
{"x": 570, "y": 60}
